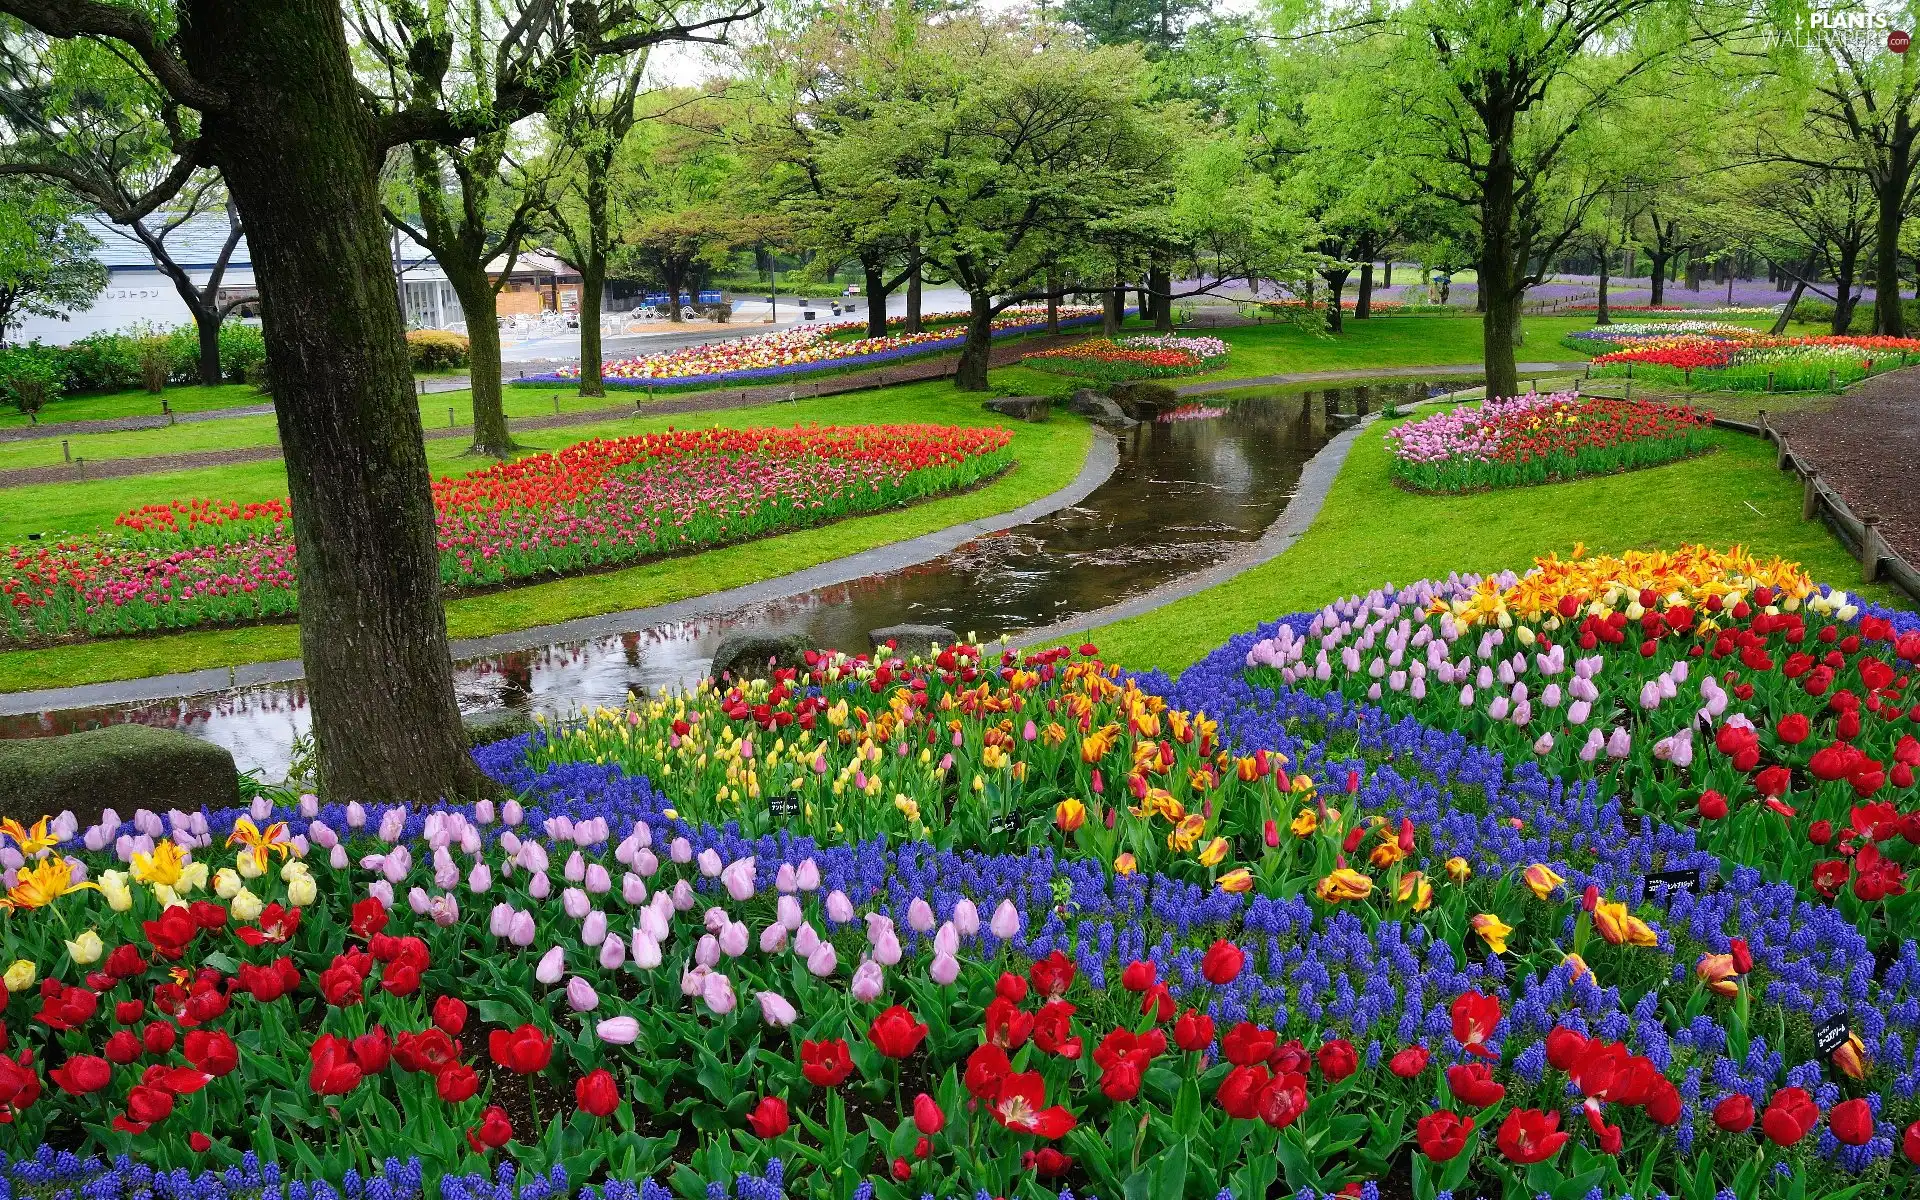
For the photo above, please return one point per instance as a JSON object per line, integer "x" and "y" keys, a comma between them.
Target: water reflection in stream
{"x": 1185, "y": 494}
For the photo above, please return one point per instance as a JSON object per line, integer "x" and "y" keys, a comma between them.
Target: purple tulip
{"x": 823, "y": 961}
{"x": 868, "y": 982}
{"x": 1006, "y": 921}
{"x": 773, "y": 939}
{"x": 839, "y": 908}
{"x": 920, "y": 916}
{"x": 776, "y": 1010}
{"x": 521, "y": 932}
{"x": 580, "y": 995}
{"x": 718, "y": 993}
{"x": 593, "y": 930}
{"x": 734, "y": 940}
{"x": 618, "y": 1031}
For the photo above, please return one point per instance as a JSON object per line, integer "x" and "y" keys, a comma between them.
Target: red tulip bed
{"x": 1531, "y": 439}
{"x": 1382, "y": 920}
{"x": 1111, "y": 360}
{"x": 595, "y": 505}
{"x": 1735, "y": 359}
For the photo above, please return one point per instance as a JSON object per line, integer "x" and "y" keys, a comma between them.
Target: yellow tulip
{"x": 1414, "y": 887}
{"x": 1851, "y": 1058}
{"x": 1214, "y": 852}
{"x": 1458, "y": 869}
{"x": 1580, "y": 967}
{"x": 1345, "y": 883}
{"x": 113, "y": 885}
{"x": 21, "y": 975}
{"x": 1125, "y": 865}
{"x": 163, "y": 867}
{"x": 44, "y": 882}
{"x": 1542, "y": 879}
{"x": 301, "y": 891}
{"x": 1186, "y": 835}
{"x": 1237, "y": 880}
{"x": 86, "y": 949}
{"x": 246, "y": 906}
{"x": 1069, "y": 815}
{"x": 1493, "y": 930}
{"x": 1716, "y": 971}
{"x": 1304, "y": 823}
{"x": 227, "y": 883}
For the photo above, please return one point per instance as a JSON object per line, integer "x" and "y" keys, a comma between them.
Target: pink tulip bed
{"x": 596, "y": 505}
{"x": 1521, "y": 440}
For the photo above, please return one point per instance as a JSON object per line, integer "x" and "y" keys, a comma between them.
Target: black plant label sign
{"x": 784, "y": 804}
{"x": 1005, "y": 826}
{"x": 1831, "y": 1035}
{"x": 1677, "y": 881}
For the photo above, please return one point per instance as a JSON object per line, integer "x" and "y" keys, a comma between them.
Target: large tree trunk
{"x": 295, "y": 145}
{"x": 1499, "y": 297}
{"x": 481, "y": 304}
{"x": 1844, "y": 296}
{"x": 971, "y": 375}
{"x": 1786, "y": 310}
{"x": 1386, "y": 272}
{"x": 912, "y": 324}
{"x": 593, "y": 286}
{"x": 1113, "y": 308}
{"x": 1336, "y": 284}
{"x": 675, "y": 279}
{"x": 1889, "y": 316}
{"x": 1657, "y": 268}
{"x": 1600, "y": 315}
{"x": 207, "y": 325}
{"x": 874, "y": 272}
{"x": 1363, "y": 303}
{"x": 1160, "y": 288}
{"x": 1053, "y": 301}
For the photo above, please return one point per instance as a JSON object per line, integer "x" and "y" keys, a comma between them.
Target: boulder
{"x": 1145, "y": 399}
{"x": 122, "y": 766}
{"x": 496, "y": 725}
{"x": 746, "y": 655}
{"x": 1096, "y": 407}
{"x": 909, "y": 640}
{"x": 1021, "y": 408}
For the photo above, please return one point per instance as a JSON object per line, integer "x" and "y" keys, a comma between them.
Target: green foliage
{"x": 113, "y": 362}
{"x": 28, "y": 378}
{"x": 46, "y": 256}
{"x": 436, "y": 349}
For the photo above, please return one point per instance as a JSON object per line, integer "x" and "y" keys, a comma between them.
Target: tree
{"x": 46, "y": 256}
{"x": 1004, "y": 149}
{"x": 1812, "y": 223}
{"x": 1154, "y": 24}
{"x": 674, "y": 178}
{"x": 79, "y": 113}
{"x": 594, "y": 122}
{"x": 1505, "y": 90}
{"x": 674, "y": 248}
{"x": 300, "y": 142}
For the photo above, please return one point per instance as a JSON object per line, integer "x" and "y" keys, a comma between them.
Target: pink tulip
{"x": 598, "y": 882}
{"x": 633, "y": 889}
{"x": 738, "y": 878}
{"x": 947, "y": 940}
{"x": 945, "y": 969}
{"x": 511, "y": 813}
{"x": 886, "y": 950}
{"x": 783, "y": 879}
{"x": 540, "y": 887}
{"x": 580, "y": 995}
{"x": 718, "y": 993}
{"x": 479, "y": 879}
{"x": 920, "y": 916}
{"x": 773, "y": 939}
{"x": 574, "y": 903}
{"x": 613, "y": 952}
{"x": 618, "y": 1031}
{"x": 646, "y": 951}
{"x": 521, "y": 932}
{"x": 1006, "y": 921}
{"x": 786, "y": 911}
{"x": 417, "y": 901}
{"x": 823, "y": 961}
{"x": 839, "y": 908}
{"x": 805, "y": 940}
{"x": 709, "y": 862}
{"x": 868, "y": 982}
{"x": 593, "y": 930}
{"x": 500, "y": 919}
{"x": 734, "y": 940}
{"x": 576, "y": 868}
{"x": 776, "y": 1010}
{"x": 807, "y": 878}
{"x": 966, "y": 918}
{"x": 680, "y": 850}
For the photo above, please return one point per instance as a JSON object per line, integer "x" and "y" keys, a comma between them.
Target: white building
{"x": 139, "y": 294}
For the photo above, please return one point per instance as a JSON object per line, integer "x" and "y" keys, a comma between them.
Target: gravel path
{"x": 1865, "y": 446}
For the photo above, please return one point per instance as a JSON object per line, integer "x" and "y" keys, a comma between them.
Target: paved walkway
{"x": 1865, "y": 444}
{"x": 1102, "y": 458}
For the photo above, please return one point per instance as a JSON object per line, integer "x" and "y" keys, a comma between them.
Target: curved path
{"x": 1864, "y": 445}
{"x": 1102, "y": 458}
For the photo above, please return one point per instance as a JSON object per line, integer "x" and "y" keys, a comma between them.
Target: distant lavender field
{"x": 1755, "y": 293}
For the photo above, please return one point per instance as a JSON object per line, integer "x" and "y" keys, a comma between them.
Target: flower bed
{"x": 1540, "y": 439}
{"x": 598, "y": 504}
{"x": 802, "y": 351}
{"x": 1378, "y": 308}
{"x": 1713, "y": 357}
{"x": 1709, "y": 310}
{"x": 1342, "y": 929}
{"x": 1110, "y": 360}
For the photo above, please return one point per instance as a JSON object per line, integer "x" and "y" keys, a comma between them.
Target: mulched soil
{"x": 668, "y": 404}
{"x": 1866, "y": 446}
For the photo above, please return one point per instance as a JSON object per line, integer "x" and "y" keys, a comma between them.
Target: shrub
{"x": 101, "y": 362}
{"x": 156, "y": 361}
{"x": 29, "y": 377}
{"x": 436, "y": 349}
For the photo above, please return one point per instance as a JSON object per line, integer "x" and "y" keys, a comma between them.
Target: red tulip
{"x": 826, "y": 1063}
{"x": 1529, "y": 1135}
{"x": 334, "y": 1072}
{"x": 1137, "y": 976}
{"x": 525, "y": 1051}
{"x": 1475, "y": 1017}
{"x": 1793, "y": 728}
{"x": 158, "y": 1037}
{"x": 1851, "y": 1122}
{"x": 212, "y": 1052}
{"x": 895, "y": 1033}
{"x": 1246, "y": 1044}
{"x": 1742, "y": 957}
{"x": 1409, "y": 1062}
{"x": 1442, "y": 1135}
{"x": 1011, "y": 988}
{"x": 456, "y": 1081}
{"x": 82, "y": 1074}
{"x": 450, "y": 1014}
{"x": 1713, "y": 805}
{"x": 1053, "y": 1029}
{"x": 986, "y": 1067}
{"x": 428, "y": 1050}
{"x": 199, "y": 1142}
{"x": 1338, "y": 1059}
{"x": 1283, "y": 1100}
{"x": 372, "y": 1050}
{"x": 928, "y": 1117}
{"x": 1193, "y": 1031}
{"x": 1791, "y": 1114}
{"x": 123, "y": 1047}
{"x": 1239, "y": 1092}
{"x": 1052, "y": 975}
{"x": 1473, "y": 1084}
{"x": 596, "y": 1094}
{"x": 369, "y": 918}
{"x": 1734, "y": 1114}
{"x": 1910, "y": 1144}
{"x": 769, "y": 1118}
{"x": 1021, "y": 1106}
{"x": 493, "y": 1131}
{"x": 1222, "y": 963}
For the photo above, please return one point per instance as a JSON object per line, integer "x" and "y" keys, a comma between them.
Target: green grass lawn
{"x": 1049, "y": 456}
{"x": 1371, "y": 532}
{"x": 139, "y": 403}
{"x": 1280, "y": 347}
